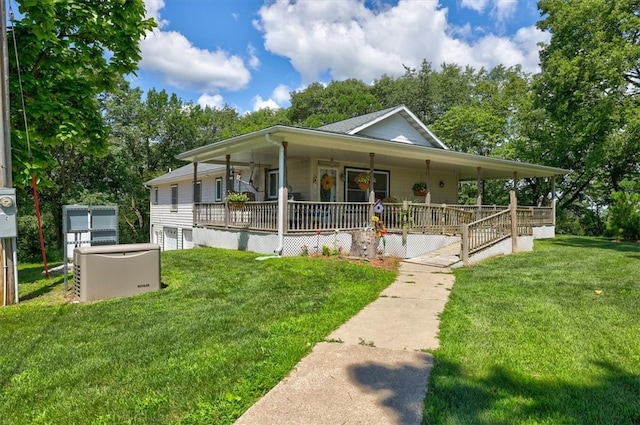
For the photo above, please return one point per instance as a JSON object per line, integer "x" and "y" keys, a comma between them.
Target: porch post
{"x": 284, "y": 150}
{"x": 427, "y": 196}
{"x": 553, "y": 199}
{"x": 372, "y": 193}
{"x": 228, "y": 174}
{"x": 284, "y": 185}
{"x": 195, "y": 181}
{"x": 480, "y": 188}
{"x": 513, "y": 206}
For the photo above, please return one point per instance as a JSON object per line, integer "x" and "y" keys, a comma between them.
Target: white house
{"x": 309, "y": 187}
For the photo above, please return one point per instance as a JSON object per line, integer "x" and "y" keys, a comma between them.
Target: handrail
{"x": 490, "y": 230}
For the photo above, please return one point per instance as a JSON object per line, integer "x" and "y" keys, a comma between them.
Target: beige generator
{"x": 109, "y": 271}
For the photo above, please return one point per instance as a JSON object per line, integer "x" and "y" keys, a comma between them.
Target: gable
{"x": 396, "y": 124}
{"x": 397, "y": 129}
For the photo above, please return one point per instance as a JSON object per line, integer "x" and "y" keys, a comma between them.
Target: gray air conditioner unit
{"x": 110, "y": 271}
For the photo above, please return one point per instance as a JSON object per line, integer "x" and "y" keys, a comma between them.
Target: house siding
{"x": 300, "y": 178}
{"x": 393, "y": 127}
{"x": 401, "y": 182}
{"x": 163, "y": 217}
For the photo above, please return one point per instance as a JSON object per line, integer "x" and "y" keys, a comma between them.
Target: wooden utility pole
{"x": 8, "y": 277}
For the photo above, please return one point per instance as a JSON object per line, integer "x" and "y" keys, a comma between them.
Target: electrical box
{"x": 109, "y": 271}
{"x": 8, "y": 213}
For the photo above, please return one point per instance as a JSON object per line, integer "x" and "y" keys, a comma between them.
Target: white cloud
{"x": 259, "y": 103}
{"x": 500, "y": 9}
{"x": 282, "y": 94}
{"x": 477, "y": 5}
{"x": 185, "y": 66}
{"x": 254, "y": 61}
{"x": 344, "y": 39}
{"x": 152, "y": 8}
{"x": 280, "y": 97}
{"x": 211, "y": 100}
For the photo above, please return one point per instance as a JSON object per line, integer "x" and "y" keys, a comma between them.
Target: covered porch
{"x": 305, "y": 183}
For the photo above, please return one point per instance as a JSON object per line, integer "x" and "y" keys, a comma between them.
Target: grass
{"x": 224, "y": 331}
{"x": 548, "y": 337}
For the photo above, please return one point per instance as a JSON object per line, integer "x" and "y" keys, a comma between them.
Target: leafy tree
{"x": 589, "y": 88}
{"x": 318, "y": 105}
{"x": 70, "y": 51}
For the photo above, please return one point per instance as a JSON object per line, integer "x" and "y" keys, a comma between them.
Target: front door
{"x": 327, "y": 186}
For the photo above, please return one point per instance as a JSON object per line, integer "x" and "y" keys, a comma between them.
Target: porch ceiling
{"x": 306, "y": 143}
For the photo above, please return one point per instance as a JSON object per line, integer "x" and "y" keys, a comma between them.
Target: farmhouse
{"x": 306, "y": 188}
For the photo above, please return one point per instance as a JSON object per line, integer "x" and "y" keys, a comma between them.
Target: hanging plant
{"x": 362, "y": 178}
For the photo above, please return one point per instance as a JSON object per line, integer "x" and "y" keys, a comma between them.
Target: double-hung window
{"x": 354, "y": 191}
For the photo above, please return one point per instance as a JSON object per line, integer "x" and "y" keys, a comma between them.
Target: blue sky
{"x": 251, "y": 54}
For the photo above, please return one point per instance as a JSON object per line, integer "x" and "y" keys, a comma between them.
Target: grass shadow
{"x": 38, "y": 291}
{"x": 454, "y": 397}
{"x": 594, "y": 242}
{"x": 403, "y": 386}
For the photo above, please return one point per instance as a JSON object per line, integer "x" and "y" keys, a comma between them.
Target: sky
{"x": 250, "y": 54}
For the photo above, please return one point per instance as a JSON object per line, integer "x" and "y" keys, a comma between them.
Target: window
{"x": 218, "y": 186}
{"x": 197, "y": 191}
{"x": 155, "y": 196}
{"x": 353, "y": 193}
{"x": 174, "y": 197}
{"x": 272, "y": 184}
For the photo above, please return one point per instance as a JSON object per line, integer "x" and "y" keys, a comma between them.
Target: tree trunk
{"x": 364, "y": 244}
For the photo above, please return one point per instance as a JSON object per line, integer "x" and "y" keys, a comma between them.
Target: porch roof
{"x": 326, "y": 145}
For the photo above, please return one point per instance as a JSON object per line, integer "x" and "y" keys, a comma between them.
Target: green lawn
{"x": 530, "y": 339}
{"x": 201, "y": 351}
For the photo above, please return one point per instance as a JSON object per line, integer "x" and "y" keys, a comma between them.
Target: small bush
{"x": 623, "y": 215}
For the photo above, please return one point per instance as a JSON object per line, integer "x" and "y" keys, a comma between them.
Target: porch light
{"x": 441, "y": 184}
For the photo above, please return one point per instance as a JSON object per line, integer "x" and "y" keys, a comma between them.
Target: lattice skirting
{"x": 313, "y": 243}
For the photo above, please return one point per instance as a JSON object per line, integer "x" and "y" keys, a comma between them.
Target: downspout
{"x": 281, "y": 193}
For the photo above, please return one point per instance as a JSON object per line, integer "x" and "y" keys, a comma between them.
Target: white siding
{"x": 402, "y": 180}
{"x": 393, "y": 127}
{"x": 300, "y": 177}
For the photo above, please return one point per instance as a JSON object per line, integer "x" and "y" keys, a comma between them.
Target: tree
{"x": 589, "y": 87}
{"x": 318, "y": 105}
{"x": 70, "y": 51}
{"x": 623, "y": 215}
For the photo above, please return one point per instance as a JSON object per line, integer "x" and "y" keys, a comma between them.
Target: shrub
{"x": 623, "y": 215}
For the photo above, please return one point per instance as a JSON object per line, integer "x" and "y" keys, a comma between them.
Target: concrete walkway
{"x": 371, "y": 370}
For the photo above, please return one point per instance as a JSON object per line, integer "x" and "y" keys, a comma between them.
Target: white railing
{"x": 306, "y": 216}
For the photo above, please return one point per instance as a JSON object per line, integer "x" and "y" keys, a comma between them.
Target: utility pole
{"x": 9, "y": 278}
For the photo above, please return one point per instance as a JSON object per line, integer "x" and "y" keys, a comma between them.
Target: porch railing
{"x": 306, "y": 216}
{"x": 485, "y": 232}
{"x": 490, "y": 230}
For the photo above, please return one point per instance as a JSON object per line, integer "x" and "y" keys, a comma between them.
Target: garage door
{"x": 170, "y": 240}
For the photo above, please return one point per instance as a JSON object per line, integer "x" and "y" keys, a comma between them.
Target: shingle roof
{"x": 184, "y": 171}
{"x": 345, "y": 126}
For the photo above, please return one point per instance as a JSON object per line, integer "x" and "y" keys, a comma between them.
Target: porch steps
{"x": 448, "y": 256}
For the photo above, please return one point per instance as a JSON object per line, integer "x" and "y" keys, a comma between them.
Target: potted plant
{"x": 419, "y": 189}
{"x": 237, "y": 200}
{"x": 362, "y": 179}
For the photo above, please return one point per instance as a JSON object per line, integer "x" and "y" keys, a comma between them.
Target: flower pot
{"x": 363, "y": 186}
{"x": 236, "y": 205}
{"x": 422, "y": 192}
